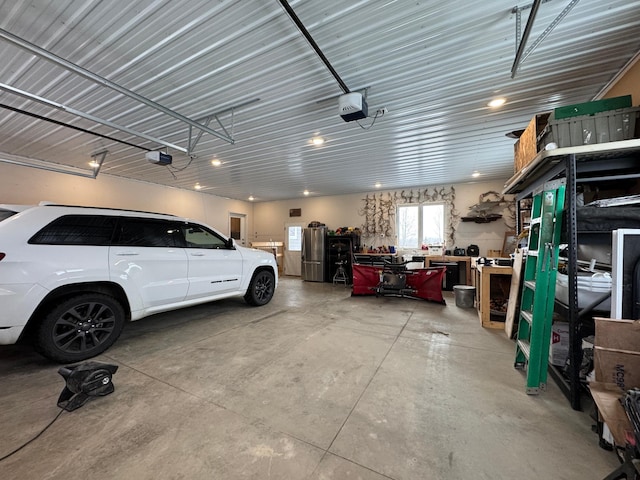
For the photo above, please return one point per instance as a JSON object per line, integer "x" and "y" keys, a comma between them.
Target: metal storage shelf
{"x": 552, "y": 163}
{"x": 582, "y": 164}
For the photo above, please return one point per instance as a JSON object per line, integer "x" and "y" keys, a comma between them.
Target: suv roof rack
{"x": 51, "y": 204}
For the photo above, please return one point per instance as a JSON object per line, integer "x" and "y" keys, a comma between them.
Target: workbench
{"x": 464, "y": 264}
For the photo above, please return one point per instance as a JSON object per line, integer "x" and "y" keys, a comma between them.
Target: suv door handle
{"x": 197, "y": 254}
{"x": 127, "y": 254}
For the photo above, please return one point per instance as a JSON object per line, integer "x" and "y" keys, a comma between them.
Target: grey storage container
{"x": 602, "y": 127}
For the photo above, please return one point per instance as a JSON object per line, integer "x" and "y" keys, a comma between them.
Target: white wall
{"x": 25, "y": 185}
{"x": 265, "y": 221}
{"x": 344, "y": 211}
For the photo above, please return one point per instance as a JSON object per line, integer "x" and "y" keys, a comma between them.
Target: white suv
{"x": 71, "y": 276}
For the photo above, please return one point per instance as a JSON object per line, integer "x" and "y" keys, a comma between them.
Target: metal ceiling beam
{"x": 48, "y": 166}
{"x": 98, "y": 160}
{"x": 41, "y": 52}
{"x": 549, "y": 29}
{"x": 193, "y": 143}
{"x": 525, "y": 36}
{"x": 520, "y": 57}
{"x": 88, "y": 116}
{"x": 314, "y": 45}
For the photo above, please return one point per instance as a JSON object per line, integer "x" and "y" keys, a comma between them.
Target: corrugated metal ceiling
{"x": 433, "y": 65}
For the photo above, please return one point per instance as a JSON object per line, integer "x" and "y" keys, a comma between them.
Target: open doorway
{"x": 293, "y": 249}
{"x": 237, "y": 228}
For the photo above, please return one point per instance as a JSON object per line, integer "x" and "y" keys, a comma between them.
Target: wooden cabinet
{"x": 492, "y": 287}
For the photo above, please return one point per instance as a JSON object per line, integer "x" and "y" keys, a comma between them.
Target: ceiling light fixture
{"x": 306, "y": 192}
{"x": 197, "y": 186}
{"x": 251, "y": 199}
{"x": 497, "y": 102}
{"x": 475, "y": 174}
{"x": 378, "y": 185}
{"x": 215, "y": 162}
{"x": 94, "y": 164}
{"x": 317, "y": 140}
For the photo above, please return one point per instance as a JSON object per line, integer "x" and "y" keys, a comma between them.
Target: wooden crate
{"x": 526, "y": 148}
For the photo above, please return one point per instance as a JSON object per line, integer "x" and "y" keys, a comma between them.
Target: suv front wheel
{"x": 80, "y": 327}
{"x": 261, "y": 288}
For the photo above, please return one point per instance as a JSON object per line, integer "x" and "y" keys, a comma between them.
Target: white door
{"x": 214, "y": 267}
{"x": 292, "y": 249}
{"x": 145, "y": 258}
{"x": 237, "y": 228}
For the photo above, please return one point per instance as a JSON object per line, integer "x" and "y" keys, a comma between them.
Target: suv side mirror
{"x": 230, "y": 243}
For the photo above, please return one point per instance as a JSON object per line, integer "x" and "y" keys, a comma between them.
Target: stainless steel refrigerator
{"x": 313, "y": 254}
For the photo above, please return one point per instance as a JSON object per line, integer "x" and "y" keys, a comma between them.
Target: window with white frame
{"x": 420, "y": 225}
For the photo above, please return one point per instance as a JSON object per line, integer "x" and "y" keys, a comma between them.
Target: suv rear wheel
{"x": 81, "y": 327}
{"x": 261, "y": 289}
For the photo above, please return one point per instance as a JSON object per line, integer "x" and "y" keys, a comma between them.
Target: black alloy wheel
{"x": 81, "y": 327}
{"x": 261, "y": 289}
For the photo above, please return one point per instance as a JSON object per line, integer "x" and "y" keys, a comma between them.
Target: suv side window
{"x": 148, "y": 232}
{"x": 197, "y": 236}
{"x": 77, "y": 230}
{"x": 4, "y": 214}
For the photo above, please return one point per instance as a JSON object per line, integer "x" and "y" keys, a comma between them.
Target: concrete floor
{"x": 315, "y": 385}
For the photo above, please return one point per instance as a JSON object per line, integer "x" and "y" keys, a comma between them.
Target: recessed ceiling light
{"x": 94, "y": 164}
{"x": 306, "y": 192}
{"x": 317, "y": 140}
{"x": 378, "y": 185}
{"x": 215, "y": 162}
{"x": 475, "y": 174}
{"x": 197, "y": 186}
{"x": 497, "y": 102}
{"x": 251, "y": 199}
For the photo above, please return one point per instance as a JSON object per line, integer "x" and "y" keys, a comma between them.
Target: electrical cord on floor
{"x": 62, "y": 409}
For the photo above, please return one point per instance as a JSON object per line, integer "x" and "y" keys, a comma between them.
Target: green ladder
{"x": 538, "y": 289}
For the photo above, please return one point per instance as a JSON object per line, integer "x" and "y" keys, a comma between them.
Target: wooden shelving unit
{"x": 491, "y": 282}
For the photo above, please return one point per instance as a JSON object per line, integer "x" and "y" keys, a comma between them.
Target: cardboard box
{"x": 559, "y": 347}
{"x": 607, "y": 397}
{"x": 616, "y": 354}
{"x": 526, "y": 148}
{"x": 621, "y": 367}
{"x": 617, "y": 334}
